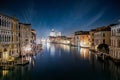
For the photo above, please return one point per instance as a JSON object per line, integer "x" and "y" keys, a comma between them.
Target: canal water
{"x": 58, "y": 61}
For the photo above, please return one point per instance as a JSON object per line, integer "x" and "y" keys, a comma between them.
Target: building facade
{"x": 9, "y": 37}
{"x": 102, "y": 36}
{"x": 25, "y": 38}
{"x": 33, "y": 41}
{"x": 115, "y": 42}
{"x": 73, "y": 39}
{"x": 82, "y": 38}
{"x": 92, "y": 37}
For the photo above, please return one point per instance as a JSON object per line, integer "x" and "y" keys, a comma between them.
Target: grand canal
{"x": 58, "y": 61}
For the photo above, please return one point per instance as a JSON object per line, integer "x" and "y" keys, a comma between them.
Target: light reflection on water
{"x": 84, "y": 53}
{"x": 61, "y": 61}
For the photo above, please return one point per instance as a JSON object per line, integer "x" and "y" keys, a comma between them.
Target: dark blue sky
{"x": 66, "y": 16}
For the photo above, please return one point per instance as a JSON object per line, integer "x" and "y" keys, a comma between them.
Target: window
{"x": 119, "y": 43}
{"x": 92, "y": 34}
{"x": 118, "y": 30}
{"x": 103, "y": 34}
{"x": 103, "y": 41}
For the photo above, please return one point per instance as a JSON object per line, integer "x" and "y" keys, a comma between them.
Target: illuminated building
{"x": 102, "y": 36}
{"x": 52, "y": 33}
{"x": 115, "y": 42}
{"x": 92, "y": 37}
{"x": 25, "y": 37}
{"x": 65, "y": 40}
{"x": 9, "y": 37}
{"x": 82, "y": 38}
{"x": 33, "y": 41}
{"x": 73, "y": 40}
{"x": 54, "y": 36}
{"x": 58, "y": 34}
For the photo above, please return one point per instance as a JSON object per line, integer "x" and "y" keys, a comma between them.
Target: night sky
{"x": 66, "y": 16}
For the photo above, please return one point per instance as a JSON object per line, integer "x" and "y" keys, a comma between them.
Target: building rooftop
{"x": 14, "y": 18}
{"x": 81, "y": 33}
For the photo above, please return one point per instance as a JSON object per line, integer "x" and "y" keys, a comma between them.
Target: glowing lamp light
{"x": 67, "y": 41}
{"x": 27, "y": 48}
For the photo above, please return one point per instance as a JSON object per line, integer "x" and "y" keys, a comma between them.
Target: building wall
{"x": 73, "y": 39}
{"x": 115, "y": 42}
{"x": 84, "y": 40}
{"x": 9, "y": 37}
{"x": 33, "y": 41}
{"x": 25, "y": 37}
{"x": 77, "y": 40}
{"x": 102, "y": 37}
{"x": 91, "y": 38}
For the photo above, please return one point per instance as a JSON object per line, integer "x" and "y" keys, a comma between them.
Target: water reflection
{"x": 4, "y": 72}
{"x": 67, "y": 61}
{"x": 52, "y": 50}
{"x": 66, "y": 47}
{"x": 84, "y": 53}
{"x": 48, "y": 46}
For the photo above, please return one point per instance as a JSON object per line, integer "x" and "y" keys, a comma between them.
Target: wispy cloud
{"x": 95, "y": 18}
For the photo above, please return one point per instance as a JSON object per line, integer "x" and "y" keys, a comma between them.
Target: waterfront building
{"x": 91, "y": 40}
{"x": 9, "y": 37}
{"x": 82, "y": 38}
{"x": 77, "y": 38}
{"x": 54, "y": 36}
{"x": 52, "y": 33}
{"x": 25, "y": 38}
{"x": 115, "y": 42}
{"x": 58, "y": 34}
{"x": 65, "y": 40}
{"x": 102, "y": 36}
{"x": 73, "y": 39}
{"x": 33, "y": 41}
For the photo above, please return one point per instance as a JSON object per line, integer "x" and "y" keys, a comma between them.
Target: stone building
{"x": 102, "y": 36}
{"x": 82, "y": 38}
{"x": 25, "y": 38}
{"x": 9, "y": 37}
{"x": 33, "y": 41}
{"x": 92, "y": 38}
{"x": 115, "y": 42}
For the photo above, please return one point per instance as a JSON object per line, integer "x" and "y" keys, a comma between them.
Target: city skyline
{"x": 59, "y": 39}
{"x": 63, "y": 15}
